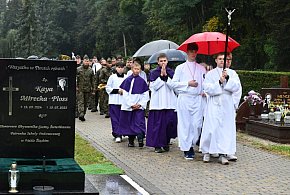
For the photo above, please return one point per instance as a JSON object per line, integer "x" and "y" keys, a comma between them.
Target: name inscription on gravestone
{"x": 37, "y": 101}
{"x": 277, "y": 96}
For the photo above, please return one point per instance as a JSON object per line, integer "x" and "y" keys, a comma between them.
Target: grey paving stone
{"x": 255, "y": 172}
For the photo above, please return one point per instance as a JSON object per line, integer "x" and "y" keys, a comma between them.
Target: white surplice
{"x": 114, "y": 82}
{"x": 130, "y": 99}
{"x": 219, "y": 127}
{"x": 162, "y": 95}
{"x": 190, "y": 103}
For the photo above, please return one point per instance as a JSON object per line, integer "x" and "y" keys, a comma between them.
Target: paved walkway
{"x": 255, "y": 172}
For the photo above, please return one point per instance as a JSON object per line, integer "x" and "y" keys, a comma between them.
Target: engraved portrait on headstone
{"x": 62, "y": 84}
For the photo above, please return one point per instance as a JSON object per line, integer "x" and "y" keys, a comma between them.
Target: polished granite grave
{"x": 274, "y": 131}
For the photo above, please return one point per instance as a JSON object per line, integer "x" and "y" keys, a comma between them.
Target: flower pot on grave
{"x": 264, "y": 116}
{"x": 278, "y": 115}
{"x": 287, "y": 119}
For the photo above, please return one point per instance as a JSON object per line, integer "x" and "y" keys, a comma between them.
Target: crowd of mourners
{"x": 193, "y": 103}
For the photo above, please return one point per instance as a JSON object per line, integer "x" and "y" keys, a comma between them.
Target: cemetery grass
{"x": 276, "y": 148}
{"x": 91, "y": 160}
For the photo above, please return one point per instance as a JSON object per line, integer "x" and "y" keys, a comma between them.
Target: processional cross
{"x": 230, "y": 12}
{"x": 10, "y": 89}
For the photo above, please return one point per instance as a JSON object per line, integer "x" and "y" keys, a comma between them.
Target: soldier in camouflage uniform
{"x": 100, "y": 87}
{"x": 113, "y": 67}
{"x": 129, "y": 62}
{"x": 104, "y": 76}
{"x": 85, "y": 86}
{"x": 95, "y": 98}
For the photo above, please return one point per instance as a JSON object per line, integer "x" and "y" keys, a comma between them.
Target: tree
{"x": 276, "y": 16}
{"x": 84, "y": 29}
{"x": 27, "y": 36}
{"x": 108, "y": 36}
{"x": 132, "y": 25}
{"x": 63, "y": 18}
{"x": 167, "y": 21}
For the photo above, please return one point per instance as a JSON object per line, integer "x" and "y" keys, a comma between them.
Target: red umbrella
{"x": 210, "y": 43}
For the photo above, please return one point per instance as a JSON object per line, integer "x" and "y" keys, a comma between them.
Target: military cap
{"x": 86, "y": 57}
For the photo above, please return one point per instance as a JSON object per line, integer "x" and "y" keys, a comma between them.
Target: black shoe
{"x": 131, "y": 145}
{"x": 82, "y": 118}
{"x": 101, "y": 113}
{"x": 131, "y": 141}
{"x": 191, "y": 152}
{"x": 94, "y": 110}
{"x": 166, "y": 148}
{"x": 158, "y": 150}
{"x": 141, "y": 144}
{"x": 107, "y": 116}
{"x": 89, "y": 108}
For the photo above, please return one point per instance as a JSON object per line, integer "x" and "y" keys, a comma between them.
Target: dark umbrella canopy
{"x": 173, "y": 55}
{"x": 210, "y": 43}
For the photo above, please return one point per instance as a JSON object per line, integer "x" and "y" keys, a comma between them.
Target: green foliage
{"x": 27, "y": 37}
{"x": 4, "y": 47}
{"x": 167, "y": 22}
{"x": 212, "y": 25}
{"x": 100, "y": 27}
{"x": 256, "y": 80}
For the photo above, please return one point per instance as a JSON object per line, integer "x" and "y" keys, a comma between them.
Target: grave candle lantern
{"x": 13, "y": 178}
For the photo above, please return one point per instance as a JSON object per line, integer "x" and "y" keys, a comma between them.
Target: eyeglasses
{"x": 229, "y": 59}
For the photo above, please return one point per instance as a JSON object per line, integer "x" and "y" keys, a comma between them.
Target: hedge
{"x": 255, "y": 80}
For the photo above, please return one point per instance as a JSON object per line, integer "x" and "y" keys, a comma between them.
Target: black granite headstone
{"x": 37, "y": 101}
{"x": 37, "y": 124}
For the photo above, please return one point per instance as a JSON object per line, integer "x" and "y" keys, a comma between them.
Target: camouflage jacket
{"x": 85, "y": 79}
{"x": 105, "y": 73}
{"x": 97, "y": 76}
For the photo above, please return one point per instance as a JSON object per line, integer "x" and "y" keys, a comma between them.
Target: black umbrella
{"x": 173, "y": 55}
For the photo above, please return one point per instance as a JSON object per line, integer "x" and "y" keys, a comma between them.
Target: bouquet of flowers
{"x": 253, "y": 98}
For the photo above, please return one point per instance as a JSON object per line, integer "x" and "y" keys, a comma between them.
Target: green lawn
{"x": 281, "y": 149}
{"x": 92, "y": 161}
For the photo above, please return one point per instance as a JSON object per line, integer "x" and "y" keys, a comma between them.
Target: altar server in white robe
{"x": 115, "y": 98}
{"x": 219, "y": 127}
{"x": 162, "y": 119}
{"x": 134, "y": 101}
{"x": 142, "y": 74}
{"x": 187, "y": 83}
